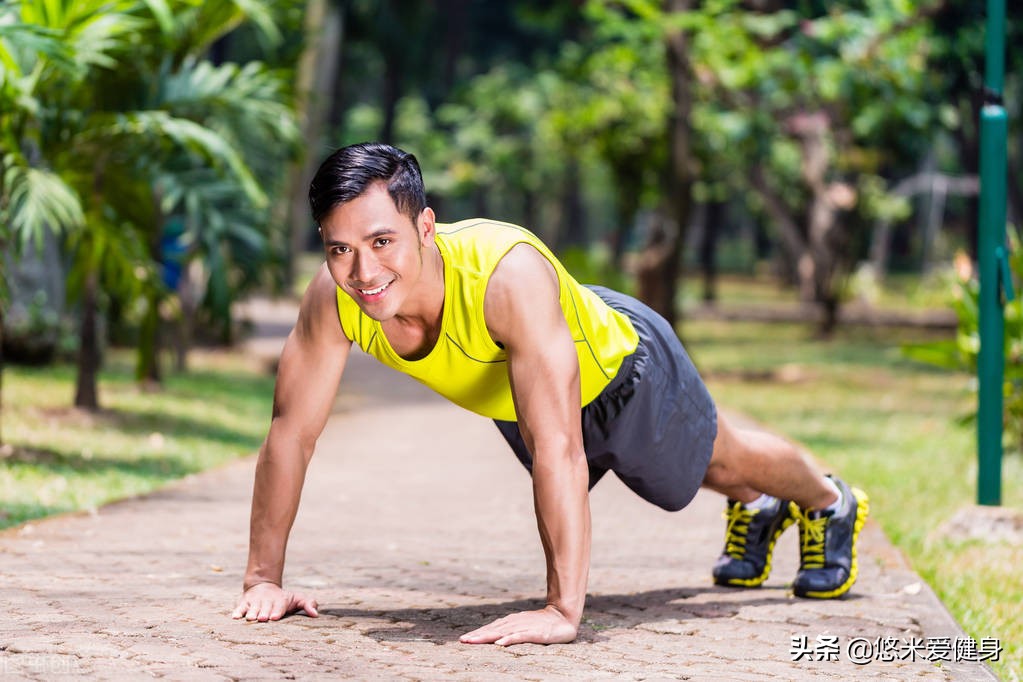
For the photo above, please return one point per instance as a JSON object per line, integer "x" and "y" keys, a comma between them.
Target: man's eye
{"x": 383, "y": 241}
{"x": 339, "y": 250}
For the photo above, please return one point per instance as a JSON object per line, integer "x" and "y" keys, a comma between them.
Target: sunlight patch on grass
{"x": 65, "y": 459}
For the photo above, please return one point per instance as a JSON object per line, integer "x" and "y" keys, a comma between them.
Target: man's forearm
{"x": 563, "y": 516}
{"x": 280, "y": 473}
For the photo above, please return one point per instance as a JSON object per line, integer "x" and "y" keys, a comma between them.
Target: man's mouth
{"x": 369, "y": 293}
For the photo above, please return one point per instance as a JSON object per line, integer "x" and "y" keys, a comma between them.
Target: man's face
{"x": 374, "y": 253}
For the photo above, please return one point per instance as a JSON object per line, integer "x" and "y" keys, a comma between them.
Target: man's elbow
{"x": 283, "y": 440}
{"x": 555, "y": 449}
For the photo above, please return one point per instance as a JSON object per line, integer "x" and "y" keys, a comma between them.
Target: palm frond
{"x": 222, "y": 231}
{"x": 163, "y": 14}
{"x": 159, "y": 126}
{"x": 202, "y": 24}
{"x": 116, "y": 251}
{"x": 36, "y": 200}
{"x": 19, "y": 41}
{"x": 252, "y": 94}
{"x": 249, "y": 106}
{"x": 95, "y": 31}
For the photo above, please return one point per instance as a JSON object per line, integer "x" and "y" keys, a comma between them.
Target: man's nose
{"x": 365, "y": 268}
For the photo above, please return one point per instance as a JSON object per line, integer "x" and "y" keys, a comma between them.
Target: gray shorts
{"x": 654, "y": 425}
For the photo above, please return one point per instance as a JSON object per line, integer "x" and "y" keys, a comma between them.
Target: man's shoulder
{"x": 318, "y": 313}
{"x": 480, "y": 243}
{"x": 483, "y": 231}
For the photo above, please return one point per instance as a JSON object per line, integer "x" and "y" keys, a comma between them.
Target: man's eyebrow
{"x": 382, "y": 232}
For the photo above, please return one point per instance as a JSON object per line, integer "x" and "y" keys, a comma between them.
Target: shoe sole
{"x": 862, "y": 512}
{"x": 758, "y": 580}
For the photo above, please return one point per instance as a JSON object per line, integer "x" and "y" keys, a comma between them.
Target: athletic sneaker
{"x": 749, "y": 542}
{"x": 827, "y": 545}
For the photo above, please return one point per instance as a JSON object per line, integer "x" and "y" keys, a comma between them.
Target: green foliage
{"x": 594, "y": 266}
{"x": 36, "y": 334}
{"x": 118, "y": 123}
{"x": 960, "y": 354}
{"x": 36, "y": 199}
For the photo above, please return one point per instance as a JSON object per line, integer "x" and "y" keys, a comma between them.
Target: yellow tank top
{"x": 466, "y": 366}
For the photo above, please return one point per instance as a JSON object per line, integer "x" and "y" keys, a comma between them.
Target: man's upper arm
{"x": 311, "y": 363}
{"x": 523, "y": 313}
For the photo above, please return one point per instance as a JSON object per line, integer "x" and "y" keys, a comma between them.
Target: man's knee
{"x": 726, "y": 458}
{"x": 722, "y": 476}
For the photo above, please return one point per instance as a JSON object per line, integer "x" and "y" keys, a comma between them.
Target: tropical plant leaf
{"x": 163, "y": 14}
{"x": 159, "y": 125}
{"x": 944, "y": 354}
{"x": 37, "y": 200}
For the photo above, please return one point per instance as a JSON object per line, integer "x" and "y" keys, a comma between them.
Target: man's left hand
{"x": 546, "y": 626}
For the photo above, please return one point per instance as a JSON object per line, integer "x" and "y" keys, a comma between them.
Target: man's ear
{"x": 426, "y": 225}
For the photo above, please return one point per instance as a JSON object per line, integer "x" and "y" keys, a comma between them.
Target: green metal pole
{"x": 992, "y": 262}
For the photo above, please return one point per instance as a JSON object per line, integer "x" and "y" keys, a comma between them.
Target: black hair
{"x": 349, "y": 172}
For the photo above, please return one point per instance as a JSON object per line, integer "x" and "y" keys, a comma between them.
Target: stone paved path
{"x": 410, "y": 544}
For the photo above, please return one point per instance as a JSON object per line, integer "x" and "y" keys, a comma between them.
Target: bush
{"x": 35, "y": 333}
{"x": 961, "y": 353}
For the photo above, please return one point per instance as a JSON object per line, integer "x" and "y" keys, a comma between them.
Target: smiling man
{"x": 579, "y": 380}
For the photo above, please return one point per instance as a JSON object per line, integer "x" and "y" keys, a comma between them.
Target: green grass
{"x": 891, "y": 427}
{"x": 68, "y": 460}
{"x": 899, "y": 293}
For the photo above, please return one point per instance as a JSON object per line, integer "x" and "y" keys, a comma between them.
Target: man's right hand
{"x": 267, "y": 601}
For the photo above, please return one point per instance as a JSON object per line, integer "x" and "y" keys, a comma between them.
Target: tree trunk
{"x": 480, "y": 203}
{"x": 712, "y": 226}
{"x": 824, "y": 229}
{"x": 969, "y": 150}
{"x": 627, "y": 195}
{"x": 189, "y": 300}
{"x": 456, "y": 13}
{"x": 1015, "y": 195}
{"x": 680, "y": 175}
{"x": 147, "y": 368}
{"x": 574, "y": 231}
{"x": 147, "y": 363}
{"x": 88, "y": 347}
{"x": 531, "y": 210}
{"x": 795, "y": 252}
{"x": 317, "y": 84}
{"x": 829, "y": 316}
{"x": 391, "y": 95}
{"x": 652, "y": 285}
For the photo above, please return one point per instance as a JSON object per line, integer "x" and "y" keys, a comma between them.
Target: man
{"x": 579, "y": 381}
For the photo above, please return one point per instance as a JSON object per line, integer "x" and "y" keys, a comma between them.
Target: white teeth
{"x": 373, "y": 292}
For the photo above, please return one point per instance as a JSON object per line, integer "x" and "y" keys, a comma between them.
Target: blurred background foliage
{"x": 156, "y": 153}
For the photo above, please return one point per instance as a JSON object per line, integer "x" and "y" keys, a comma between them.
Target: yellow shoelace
{"x": 739, "y": 518}
{"x": 811, "y": 539}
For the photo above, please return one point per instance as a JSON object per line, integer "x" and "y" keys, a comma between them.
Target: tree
{"x": 120, "y": 136}
{"x": 32, "y": 198}
{"x": 680, "y": 173}
{"x": 824, "y": 104}
{"x": 617, "y": 105}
